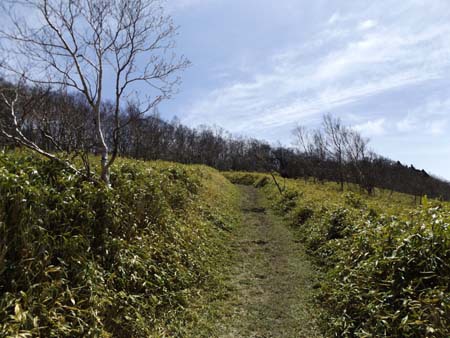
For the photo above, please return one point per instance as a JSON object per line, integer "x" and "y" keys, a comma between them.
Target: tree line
{"x": 60, "y": 122}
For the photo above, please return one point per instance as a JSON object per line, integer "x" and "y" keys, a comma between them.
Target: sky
{"x": 260, "y": 67}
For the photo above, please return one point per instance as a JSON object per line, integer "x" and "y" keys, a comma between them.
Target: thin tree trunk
{"x": 104, "y": 150}
{"x": 276, "y": 183}
{"x": 105, "y": 167}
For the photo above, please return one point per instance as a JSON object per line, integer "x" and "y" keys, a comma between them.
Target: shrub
{"x": 352, "y": 200}
{"x": 288, "y": 200}
{"x": 261, "y": 182}
{"x": 301, "y": 215}
{"x": 243, "y": 178}
{"x": 337, "y": 224}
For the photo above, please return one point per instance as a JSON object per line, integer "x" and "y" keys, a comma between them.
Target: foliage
{"x": 80, "y": 260}
{"x": 386, "y": 260}
{"x": 246, "y": 178}
{"x": 262, "y": 181}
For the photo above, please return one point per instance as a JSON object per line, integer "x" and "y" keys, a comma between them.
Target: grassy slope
{"x": 385, "y": 258}
{"x": 78, "y": 260}
{"x": 149, "y": 257}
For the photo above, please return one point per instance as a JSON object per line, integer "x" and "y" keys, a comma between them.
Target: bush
{"x": 337, "y": 224}
{"x": 261, "y": 182}
{"x": 243, "y": 178}
{"x": 354, "y": 201}
{"x": 288, "y": 200}
{"x": 302, "y": 215}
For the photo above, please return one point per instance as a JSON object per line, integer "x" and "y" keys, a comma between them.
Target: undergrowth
{"x": 79, "y": 260}
{"x": 386, "y": 260}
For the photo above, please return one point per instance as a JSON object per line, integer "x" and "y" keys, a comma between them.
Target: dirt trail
{"x": 272, "y": 276}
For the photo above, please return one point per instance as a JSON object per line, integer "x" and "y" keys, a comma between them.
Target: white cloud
{"x": 367, "y": 24}
{"x": 431, "y": 118}
{"x": 407, "y": 124}
{"x": 438, "y": 127}
{"x": 334, "y": 18}
{"x": 372, "y": 128}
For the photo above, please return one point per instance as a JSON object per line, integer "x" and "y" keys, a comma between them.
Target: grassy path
{"x": 272, "y": 277}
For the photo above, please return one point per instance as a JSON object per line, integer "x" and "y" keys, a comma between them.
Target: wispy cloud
{"x": 438, "y": 127}
{"x": 367, "y": 24}
{"x": 372, "y": 128}
{"x": 336, "y": 17}
{"x": 177, "y": 5}
{"x": 430, "y": 118}
{"x": 368, "y": 57}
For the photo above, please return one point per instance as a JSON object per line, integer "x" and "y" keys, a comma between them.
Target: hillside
{"x": 385, "y": 259}
{"x": 79, "y": 260}
{"x": 179, "y": 251}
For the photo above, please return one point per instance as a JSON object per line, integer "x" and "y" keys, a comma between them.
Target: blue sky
{"x": 262, "y": 66}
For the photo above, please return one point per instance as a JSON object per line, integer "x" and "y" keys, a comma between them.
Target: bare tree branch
{"x": 80, "y": 43}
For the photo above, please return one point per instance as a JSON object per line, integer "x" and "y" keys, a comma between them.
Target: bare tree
{"x": 360, "y": 158}
{"x": 113, "y": 49}
{"x": 336, "y": 134}
{"x": 303, "y": 139}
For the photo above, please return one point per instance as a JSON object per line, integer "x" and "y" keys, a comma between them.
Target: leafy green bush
{"x": 301, "y": 215}
{"x": 81, "y": 260}
{"x": 288, "y": 200}
{"x": 354, "y": 201}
